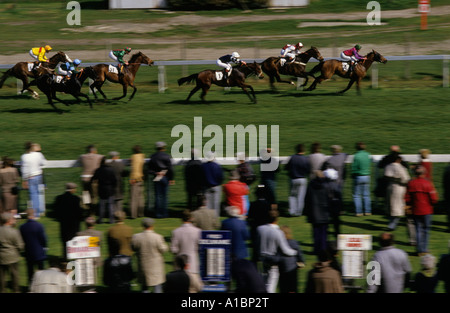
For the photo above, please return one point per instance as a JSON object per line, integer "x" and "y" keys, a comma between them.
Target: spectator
{"x": 9, "y": 178}
{"x": 213, "y": 182}
{"x": 316, "y": 158}
{"x": 270, "y": 166}
{"x": 272, "y": 243}
{"x": 194, "y": 181}
{"x": 258, "y": 215}
{"x": 289, "y": 265}
{"x": 318, "y": 207}
{"x": 205, "y": 218}
{"x": 421, "y": 196}
{"x": 35, "y": 240}
{"x": 150, "y": 248}
{"x": 32, "y": 164}
{"x": 426, "y": 280}
{"x": 424, "y": 155}
{"x": 51, "y": 280}
{"x": 395, "y": 268}
{"x": 160, "y": 168}
{"x": 323, "y": 278}
{"x": 119, "y": 170}
{"x": 398, "y": 178}
{"x": 68, "y": 213}
{"x": 443, "y": 270}
{"x": 446, "y": 191}
{"x": 89, "y": 162}
{"x": 107, "y": 182}
{"x": 298, "y": 168}
{"x": 361, "y": 170}
{"x": 92, "y": 232}
{"x": 180, "y": 280}
{"x": 137, "y": 202}
{"x": 119, "y": 236}
{"x": 239, "y": 233}
{"x": 245, "y": 170}
{"x": 185, "y": 241}
{"x": 246, "y": 277}
{"x": 118, "y": 273}
{"x": 11, "y": 246}
{"x": 337, "y": 162}
{"x": 235, "y": 192}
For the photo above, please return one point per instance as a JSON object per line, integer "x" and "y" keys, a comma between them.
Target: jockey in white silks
{"x": 288, "y": 52}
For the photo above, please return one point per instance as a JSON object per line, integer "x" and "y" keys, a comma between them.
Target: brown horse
{"x": 21, "y": 71}
{"x": 206, "y": 78}
{"x": 332, "y": 67}
{"x": 273, "y": 68}
{"x": 126, "y": 78}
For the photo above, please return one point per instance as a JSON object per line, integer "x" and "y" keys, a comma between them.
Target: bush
{"x": 197, "y": 5}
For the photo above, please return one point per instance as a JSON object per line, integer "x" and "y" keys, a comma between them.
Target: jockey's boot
{"x": 225, "y": 77}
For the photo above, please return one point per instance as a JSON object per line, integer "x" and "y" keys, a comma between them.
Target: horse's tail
{"x": 316, "y": 68}
{"x": 189, "y": 79}
{"x": 4, "y": 77}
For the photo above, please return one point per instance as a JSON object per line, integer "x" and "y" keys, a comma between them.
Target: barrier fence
{"x": 162, "y": 81}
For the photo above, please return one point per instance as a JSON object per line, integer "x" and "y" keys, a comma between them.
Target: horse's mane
{"x": 135, "y": 56}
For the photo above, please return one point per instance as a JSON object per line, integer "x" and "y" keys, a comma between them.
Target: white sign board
{"x": 352, "y": 264}
{"x": 354, "y": 242}
{"x": 82, "y": 247}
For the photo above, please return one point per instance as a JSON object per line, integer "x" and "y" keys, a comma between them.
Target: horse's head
{"x": 60, "y": 57}
{"x": 316, "y": 54}
{"x": 378, "y": 57}
{"x": 258, "y": 70}
{"x": 139, "y": 57}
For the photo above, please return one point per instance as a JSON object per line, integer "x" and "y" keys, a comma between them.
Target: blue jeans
{"x": 161, "y": 192}
{"x": 423, "y": 225}
{"x": 361, "y": 194}
{"x": 33, "y": 190}
{"x": 297, "y": 196}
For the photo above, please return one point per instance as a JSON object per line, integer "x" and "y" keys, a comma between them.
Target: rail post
{"x": 161, "y": 78}
{"x": 445, "y": 72}
{"x": 374, "y": 75}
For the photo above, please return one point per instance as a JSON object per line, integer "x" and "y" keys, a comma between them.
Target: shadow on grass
{"x": 36, "y": 110}
{"x": 196, "y": 102}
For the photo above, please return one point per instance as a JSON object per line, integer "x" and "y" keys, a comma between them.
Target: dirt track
{"x": 252, "y": 51}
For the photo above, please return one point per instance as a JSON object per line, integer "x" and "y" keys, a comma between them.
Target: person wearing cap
{"x": 150, "y": 248}
{"x": 426, "y": 280}
{"x": 68, "y": 68}
{"x": 119, "y": 170}
{"x": 107, "y": 182}
{"x": 316, "y": 158}
{"x": 269, "y": 166}
{"x": 360, "y": 171}
{"x": 421, "y": 196}
{"x": 38, "y": 53}
{"x": 119, "y": 236}
{"x": 89, "y": 162}
{"x": 117, "y": 55}
{"x": 68, "y": 213}
{"x": 424, "y": 160}
{"x": 194, "y": 181}
{"x": 213, "y": 173}
{"x": 236, "y": 192}
{"x": 290, "y": 51}
{"x": 136, "y": 179}
{"x": 161, "y": 170}
{"x": 352, "y": 55}
{"x": 205, "y": 218}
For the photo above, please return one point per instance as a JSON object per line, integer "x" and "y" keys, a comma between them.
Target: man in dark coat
{"x": 119, "y": 169}
{"x": 107, "y": 181}
{"x": 35, "y": 240}
{"x": 194, "y": 178}
{"x": 69, "y": 213}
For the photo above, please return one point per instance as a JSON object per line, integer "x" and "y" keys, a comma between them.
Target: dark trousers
{"x": 13, "y": 270}
{"x": 31, "y": 264}
{"x": 161, "y": 192}
{"x": 320, "y": 237}
{"x": 288, "y": 282}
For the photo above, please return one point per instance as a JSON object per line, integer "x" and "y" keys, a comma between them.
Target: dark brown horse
{"x": 47, "y": 84}
{"x": 335, "y": 67}
{"x": 273, "y": 68}
{"x": 126, "y": 78}
{"x": 206, "y": 78}
{"x": 21, "y": 71}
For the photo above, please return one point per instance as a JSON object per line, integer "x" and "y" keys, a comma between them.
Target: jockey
{"x": 289, "y": 51}
{"x": 352, "y": 55}
{"x": 224, "y": 61}
{"x": 69, "y": 68}
{"x": 39, "y": 54}
{"x": 117, "y": 55}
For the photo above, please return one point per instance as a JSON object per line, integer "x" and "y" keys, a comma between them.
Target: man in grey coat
{"x": 394, "y": 268}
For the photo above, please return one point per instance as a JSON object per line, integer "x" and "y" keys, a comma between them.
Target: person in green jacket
{"x": 361, "y": 170}
{"x": 117, "y": 55}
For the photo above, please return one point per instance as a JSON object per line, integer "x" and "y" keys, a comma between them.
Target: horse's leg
{"x": 316, "y": 81}
{"x": 204, "y": 92}
{"x": 80, "y": 94}
{"x": 244, "y": 88}
{"x": 49, "y": 95}
{"x": 98, "y": 85}
{"x": 124, "y": 90}
{"x": 348, "y": 86}
{"x": 134, "y": 91}
{"x": 196, "y": 88}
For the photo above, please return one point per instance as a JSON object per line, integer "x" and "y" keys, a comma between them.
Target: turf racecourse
{"x": 410, "y": 113}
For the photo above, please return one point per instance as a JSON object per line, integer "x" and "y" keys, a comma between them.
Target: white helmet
{"x": 235, "y": 55}
{"x": 299, "y": 45}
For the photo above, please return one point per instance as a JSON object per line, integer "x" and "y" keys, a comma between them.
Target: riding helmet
{"x": 77, "y": 62}
{"x": 127, "y": 49}
{"x": 235, "y": 55}
{"x": 358, "y": 47}
{"x": 48, "y": 48}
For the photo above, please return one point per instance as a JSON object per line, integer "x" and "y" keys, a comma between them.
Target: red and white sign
{"x": 354, "y": 242}
{"x": 81, "y": 247}
{"x": 424, "y": 6}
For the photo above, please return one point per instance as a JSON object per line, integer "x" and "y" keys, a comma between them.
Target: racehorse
{"x": 22, "y": 71}
{"x": 206, "y": 78}
{"x": 332, "y": 67}
{"x": 272, "y": 66}
{"x": 47, "y": 84}
{"x": 125, "y": 79}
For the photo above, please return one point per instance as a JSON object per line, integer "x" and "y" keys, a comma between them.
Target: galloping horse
{"x": 206, "y": 78}
{"x": 47, "y": 84}
{"x": 22, "y": 71}
{"x": 273, "y": 68}
{"x": 331, "y": 67}
{"x": 125, "y": 79}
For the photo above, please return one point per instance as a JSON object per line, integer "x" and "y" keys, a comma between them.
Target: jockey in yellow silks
{"x": 39, "y": 53}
